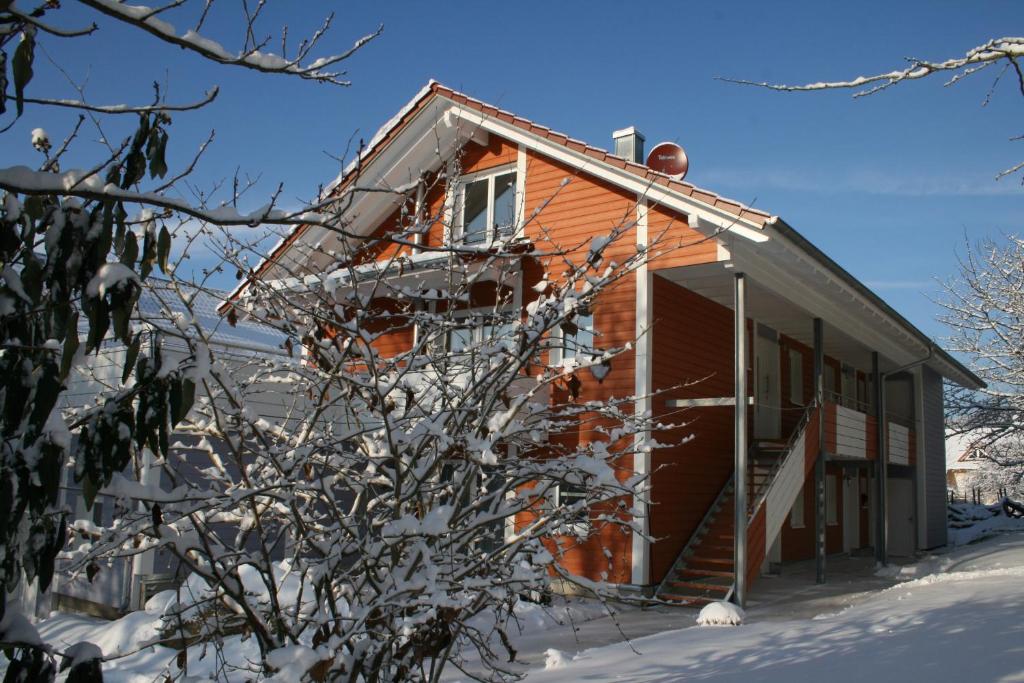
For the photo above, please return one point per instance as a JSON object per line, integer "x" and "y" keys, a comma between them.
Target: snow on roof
{"x": 160, "y": 304}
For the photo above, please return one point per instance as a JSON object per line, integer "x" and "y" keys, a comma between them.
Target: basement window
{"x": 486, "y": 207}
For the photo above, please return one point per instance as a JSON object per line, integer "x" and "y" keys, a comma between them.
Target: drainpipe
{"x": 740, "y": 439}
{"x": 882, "y": 523}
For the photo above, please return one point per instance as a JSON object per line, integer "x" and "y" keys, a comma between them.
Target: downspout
{"x": 882, "y": 528}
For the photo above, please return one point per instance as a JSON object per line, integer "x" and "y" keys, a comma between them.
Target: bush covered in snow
{"x": 721, "y": 613}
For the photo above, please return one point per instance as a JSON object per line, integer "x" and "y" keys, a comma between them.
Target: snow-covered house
{"x": 121, "y": 585}
{"x": 835, "y": 418}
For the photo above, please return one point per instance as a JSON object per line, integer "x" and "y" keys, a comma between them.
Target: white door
{"x": 767, "y": 413}
{"x": 901, "y": 517}
{"x": 851, "y": 510}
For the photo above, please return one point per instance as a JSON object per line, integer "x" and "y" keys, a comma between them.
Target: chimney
{"x": 629, "y": 144}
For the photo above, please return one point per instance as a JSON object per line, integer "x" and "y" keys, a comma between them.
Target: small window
{"x": 488, "y": 208}
{"x": 796, "y": 515}
{"x": 581, "y": 343}
{"x": 477, "y": 333}
{"x": 572, "y": 494}
{"x": 97, "y": 512}
{"x": 796, "y": 377}
{"x": 832, "y": 502}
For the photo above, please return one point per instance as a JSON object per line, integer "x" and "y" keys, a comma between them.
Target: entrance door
{"x": 901, "y": 516}
{"x": 767, "y": 408}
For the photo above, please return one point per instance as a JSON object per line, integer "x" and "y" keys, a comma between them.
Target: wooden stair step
{"x": 709, "y": 560}
{"x": 693, "y": 573}
{"x": 703, "y": 586}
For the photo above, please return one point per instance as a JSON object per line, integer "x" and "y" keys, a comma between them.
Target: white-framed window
{"x": 476, "y": 327}
{"x": 485, "y": 206}
{"x": 796, "y": 514}
{"x": 796, "y": 377}
{"x": 832, "y": 502}
{"x": 571, "y": 494}
{"x": 582, "y": 343}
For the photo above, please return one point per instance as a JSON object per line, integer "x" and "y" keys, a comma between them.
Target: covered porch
{"x": 837, "y": 389}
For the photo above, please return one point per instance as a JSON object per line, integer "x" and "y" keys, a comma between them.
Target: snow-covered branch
{"x": 317, "y": 70}
{"x": 1008, "y": 49}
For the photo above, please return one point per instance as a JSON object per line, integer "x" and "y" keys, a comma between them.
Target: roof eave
{"x": 966, "y": 377}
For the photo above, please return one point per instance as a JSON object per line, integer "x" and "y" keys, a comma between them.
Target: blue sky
{"x": 889, "y": 185}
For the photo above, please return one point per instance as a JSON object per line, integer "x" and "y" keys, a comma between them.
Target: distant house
{"x": 120, "y": 585}
{"x": 819, "y": 346}
{"x": 970, "y": 471}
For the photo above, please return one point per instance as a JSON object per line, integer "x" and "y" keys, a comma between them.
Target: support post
{"x": 740, "y": 439}
{"x": 819, "y": 465}
{"x": 881, "y": 467}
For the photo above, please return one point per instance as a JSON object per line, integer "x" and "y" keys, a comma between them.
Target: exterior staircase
{"x": 705, "y": 570}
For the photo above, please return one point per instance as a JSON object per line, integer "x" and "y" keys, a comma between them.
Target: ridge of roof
{"x": 642, "y": 170}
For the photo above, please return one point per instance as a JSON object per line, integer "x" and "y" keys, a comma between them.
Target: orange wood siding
{"x": 692, "y": 340}
{"x": 568, "y": 210}
{"x": 677, "y": 244}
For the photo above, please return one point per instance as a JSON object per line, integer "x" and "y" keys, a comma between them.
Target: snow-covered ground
{"x": 951, "y": 616}
{"x": 959, "y": 619}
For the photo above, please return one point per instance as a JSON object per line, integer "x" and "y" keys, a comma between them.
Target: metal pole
{"x": 740, "y": 439}
{"x": 819, "y": 465}
{"x": 882, "y": 471}
{"x": 879, "y": 505}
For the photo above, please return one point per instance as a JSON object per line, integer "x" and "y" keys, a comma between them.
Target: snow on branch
{"x": 145, "y": 18}
{"x": 996, "y": 50}
{"x": 90, "y": 186}
{"x": 1008, "y": 50}
{"x": 209, "y": 97}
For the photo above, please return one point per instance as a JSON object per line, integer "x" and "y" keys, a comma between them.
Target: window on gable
{"x": 488, "y": 207}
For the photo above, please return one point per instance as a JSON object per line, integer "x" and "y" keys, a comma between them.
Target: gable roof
{"x": 735, "y": 216}
{"x": 393, "y": 128}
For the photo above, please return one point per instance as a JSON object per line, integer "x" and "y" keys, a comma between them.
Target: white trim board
{"x": 720, "y": 402}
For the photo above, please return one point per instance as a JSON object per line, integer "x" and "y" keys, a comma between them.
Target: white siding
{"x": 784, "y": 490}
{"x": 851, "y": 433}
{"x": 899, "y": 444}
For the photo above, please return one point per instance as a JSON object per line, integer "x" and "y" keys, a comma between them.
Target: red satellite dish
{"x": 670, "y": 159}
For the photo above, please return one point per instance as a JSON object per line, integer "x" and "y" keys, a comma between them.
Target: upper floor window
{"x": 487, "y": 206}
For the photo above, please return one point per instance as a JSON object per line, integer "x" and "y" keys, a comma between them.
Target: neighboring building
{"x": 801, "y": 312}
{"x": 122, "y": 585}
{"x": 972, "y": 475}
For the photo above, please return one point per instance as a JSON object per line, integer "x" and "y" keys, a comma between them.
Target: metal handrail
{"x": 801, "y": 426}
{"x": 704, "y": 522}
